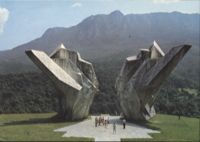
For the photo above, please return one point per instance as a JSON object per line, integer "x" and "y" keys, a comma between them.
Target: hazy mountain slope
{"x": 106, "y": 40}
{"x": 102, "y": 36}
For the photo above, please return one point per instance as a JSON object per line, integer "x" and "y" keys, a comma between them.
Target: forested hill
{"x": 34, "y": 92}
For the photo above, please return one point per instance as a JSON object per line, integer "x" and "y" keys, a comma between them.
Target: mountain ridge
{"x": 102, "y": 35}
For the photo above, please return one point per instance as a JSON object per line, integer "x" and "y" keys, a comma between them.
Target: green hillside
{"x": 35, "y": 93}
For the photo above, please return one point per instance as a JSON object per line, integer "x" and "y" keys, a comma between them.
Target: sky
{"x": 24, "y": 20}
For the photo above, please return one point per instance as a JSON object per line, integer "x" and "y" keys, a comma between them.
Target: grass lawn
{"x": 38, "y": 127}
{"x": 33, "y": 127}
{"x": 173, "y": 130}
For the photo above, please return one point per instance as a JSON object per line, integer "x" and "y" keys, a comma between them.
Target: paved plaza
{"x": 101, "y": 133}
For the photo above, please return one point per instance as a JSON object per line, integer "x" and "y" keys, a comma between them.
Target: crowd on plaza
{"x": 104, "y": 121}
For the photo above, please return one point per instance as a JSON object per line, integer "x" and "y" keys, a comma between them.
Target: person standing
{"x": 96, "y": 121}
{"x": 124, "y": 123}
{"x": 99, "y": 120}
{"x": 108, "y": 119}
{"x": 114, "y": 128}
{"x": 105, "y": 123}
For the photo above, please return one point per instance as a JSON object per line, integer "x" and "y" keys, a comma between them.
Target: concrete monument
{"x": 73, "y": 77}
{"x": 141, "y": 77}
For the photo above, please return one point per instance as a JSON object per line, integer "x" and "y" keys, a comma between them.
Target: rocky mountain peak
{"x": 116, "y": 13}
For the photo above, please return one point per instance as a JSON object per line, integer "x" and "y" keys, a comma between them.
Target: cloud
{"x": 4, "y": 13}
{"x": 77, "y": 4}
{"x": 165, "y": 1}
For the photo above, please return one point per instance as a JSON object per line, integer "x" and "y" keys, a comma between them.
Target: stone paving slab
{"x": 87, "y": 129}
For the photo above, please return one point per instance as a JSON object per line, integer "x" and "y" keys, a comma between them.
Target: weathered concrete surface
{"x": 73, "y": 77}
{"x": 87, "y": 129}
{"x": 141, "y": 77}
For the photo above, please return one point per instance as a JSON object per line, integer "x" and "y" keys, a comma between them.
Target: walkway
{"x": 87, "y": 129}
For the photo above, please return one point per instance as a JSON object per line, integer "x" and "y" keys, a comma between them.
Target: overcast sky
{"x": 22, "y": 21}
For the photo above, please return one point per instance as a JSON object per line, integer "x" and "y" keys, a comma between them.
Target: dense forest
{"x": 34, "y": 92}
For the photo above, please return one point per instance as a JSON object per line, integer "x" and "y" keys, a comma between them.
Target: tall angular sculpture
{"x": 141, "y": 77}
{"x": 73, "y": 77}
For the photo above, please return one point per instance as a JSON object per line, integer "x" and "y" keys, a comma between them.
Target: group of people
{"x": 101, "y": 120}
